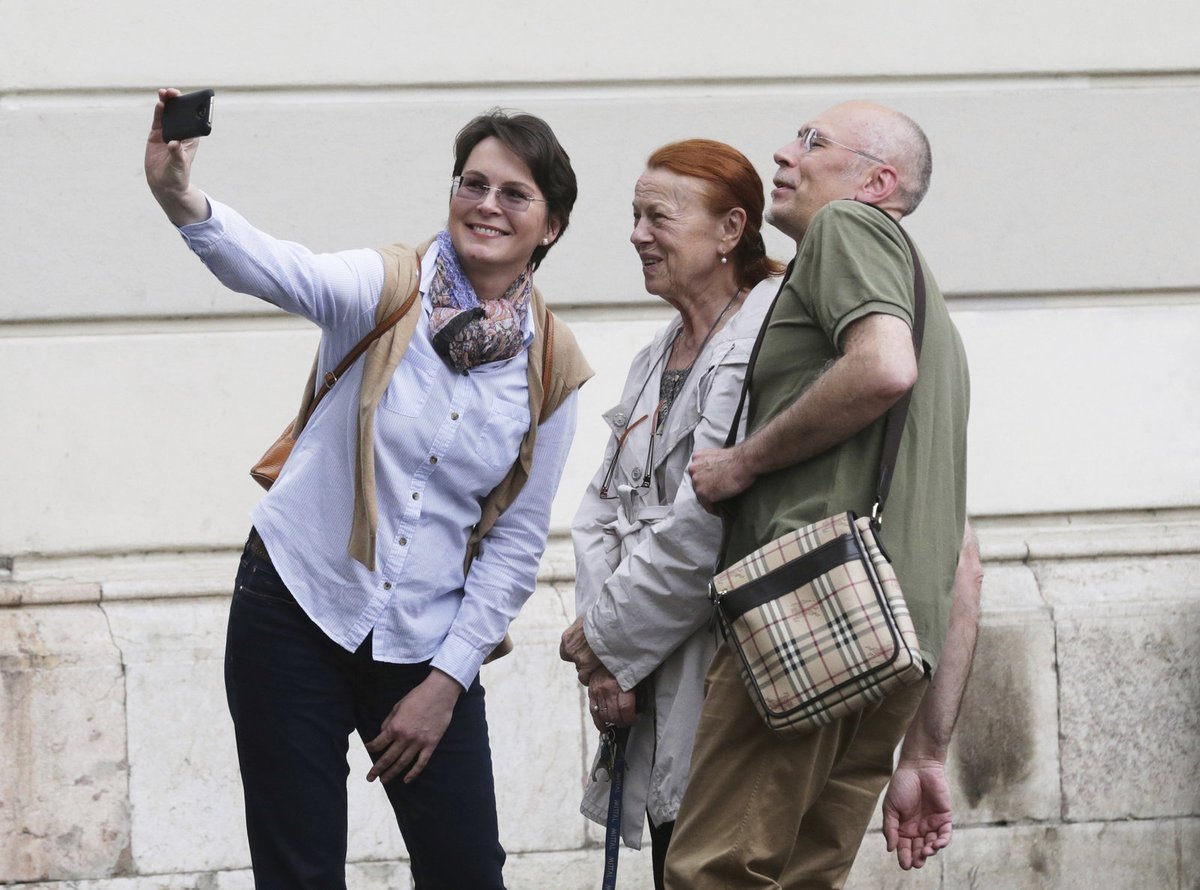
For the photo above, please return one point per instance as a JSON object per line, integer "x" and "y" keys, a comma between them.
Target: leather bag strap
{"x": 332, "y": 377}
{"x": 547, "y": 362}
{"x": 898, "y": 413}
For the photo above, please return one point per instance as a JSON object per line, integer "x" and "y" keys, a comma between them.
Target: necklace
{"x": 670, "y": 385}
{"x": 704, "y": 342}
{"x": 672, "y": 381}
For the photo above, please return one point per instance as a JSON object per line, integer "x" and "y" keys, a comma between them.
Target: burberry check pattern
{"x": 813, "y": 653}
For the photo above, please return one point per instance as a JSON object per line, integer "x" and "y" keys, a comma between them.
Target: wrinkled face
{"x": 808, "y": 180}
{"x": 493, "y": 241}
{"x": 675, "y": 234}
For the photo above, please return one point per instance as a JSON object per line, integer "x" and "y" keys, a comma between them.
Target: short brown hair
{"x": 531, "y": 139}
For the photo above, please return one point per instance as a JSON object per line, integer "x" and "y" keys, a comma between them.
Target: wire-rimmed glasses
{"x": 809, "y": 137}
{"x": 472, "y": 188}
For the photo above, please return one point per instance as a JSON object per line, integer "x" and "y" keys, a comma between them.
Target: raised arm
{"x": 169, "y": 171}
{"x": 917, "y": 813}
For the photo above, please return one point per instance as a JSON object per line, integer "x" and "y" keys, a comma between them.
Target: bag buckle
{"x": 714, "y": 596}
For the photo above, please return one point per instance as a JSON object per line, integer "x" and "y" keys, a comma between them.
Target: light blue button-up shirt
{"x": 443, "y": 440}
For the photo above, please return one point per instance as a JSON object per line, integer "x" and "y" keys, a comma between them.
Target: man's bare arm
{"x": 917, "y": 814}
{"x": 929, "y": 734}
{"x": 877, "y": 367}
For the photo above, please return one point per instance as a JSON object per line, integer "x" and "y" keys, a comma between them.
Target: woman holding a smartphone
{"x": 405, "y": 530}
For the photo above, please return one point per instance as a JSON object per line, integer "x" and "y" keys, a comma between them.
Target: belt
{"x": 255, "y": 545}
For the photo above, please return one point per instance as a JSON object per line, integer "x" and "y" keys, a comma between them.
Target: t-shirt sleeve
{"x": 855, "y": 263}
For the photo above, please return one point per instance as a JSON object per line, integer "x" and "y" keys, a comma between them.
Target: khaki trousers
{"x": 764, "y": 810}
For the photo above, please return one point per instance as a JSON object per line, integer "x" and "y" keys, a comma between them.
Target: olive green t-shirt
{"x": 851, "y": 263}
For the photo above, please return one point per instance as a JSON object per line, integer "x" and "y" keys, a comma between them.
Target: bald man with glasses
{"x": 765, "y": 810}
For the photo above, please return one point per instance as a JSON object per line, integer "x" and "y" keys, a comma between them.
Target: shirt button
{"x": 619, "y": 419}
{"x": 454, "y": 415}
{"x": 403, "y": 542}
{"x": 416, "y": 495}
{"x": 387, "y": 585}
{"x": 433, "y": 458}
{"x": 636, "y": 474}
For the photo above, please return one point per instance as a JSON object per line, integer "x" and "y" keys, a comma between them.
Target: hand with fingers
{"x": 574, "y": 648}
{"x": 608, "y": 704}
{"x": 413, "y": 729}
{"x": 169, "y": 170}
{"x": 917, "y": 814}
{"x": 717, "y": 475}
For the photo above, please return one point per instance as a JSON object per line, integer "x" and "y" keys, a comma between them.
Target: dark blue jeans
{"x": 295, "y": 698}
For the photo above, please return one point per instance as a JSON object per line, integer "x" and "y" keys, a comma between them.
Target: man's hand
{"x": 916, "y": 813}
{"x": 719, "y": 474}
{"x": 916, "y": 808}
{"x": 574, "y": 648}
{"x": 608, "y": 704}
{"x": 412, "y": 731}
{"x": 876, "y": 368}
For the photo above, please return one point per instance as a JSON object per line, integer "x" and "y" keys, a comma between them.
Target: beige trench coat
{"x": 644, "y": 556}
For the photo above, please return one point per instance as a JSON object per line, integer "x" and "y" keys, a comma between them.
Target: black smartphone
{"x": 188, "y": 116}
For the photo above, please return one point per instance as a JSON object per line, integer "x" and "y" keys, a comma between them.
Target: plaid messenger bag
{"x": 816, "y": 617}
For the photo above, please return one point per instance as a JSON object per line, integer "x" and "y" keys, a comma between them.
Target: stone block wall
{"x": 1076, "y": 763}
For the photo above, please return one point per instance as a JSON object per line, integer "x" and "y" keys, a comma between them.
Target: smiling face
{"x": 675, "y": 234}
{"x": 494, "y": 244}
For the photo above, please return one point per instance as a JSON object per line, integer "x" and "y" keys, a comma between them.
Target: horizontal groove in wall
{"x": 118, "y": 96}
{"x": 1100, "y": 535}
{"x": 89, "y": 578}
{"x": 622, "y": 310}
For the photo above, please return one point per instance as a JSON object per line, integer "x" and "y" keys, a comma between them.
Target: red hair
{"x": 729, "y": 181}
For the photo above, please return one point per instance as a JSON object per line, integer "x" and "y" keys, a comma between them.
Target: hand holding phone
{"x": 188, "y": 116}
{"x": 170, "y": 150}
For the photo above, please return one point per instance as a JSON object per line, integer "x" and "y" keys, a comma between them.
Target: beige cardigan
{"x": 565, "y": 369}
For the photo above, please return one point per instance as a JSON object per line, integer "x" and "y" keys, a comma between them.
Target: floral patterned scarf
{"x": 466, "y": 332}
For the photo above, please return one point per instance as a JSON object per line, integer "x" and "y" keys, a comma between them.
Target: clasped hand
{"x": 608, "y": 704}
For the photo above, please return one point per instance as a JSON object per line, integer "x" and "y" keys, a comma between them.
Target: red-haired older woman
{"x": 644, "y": 547}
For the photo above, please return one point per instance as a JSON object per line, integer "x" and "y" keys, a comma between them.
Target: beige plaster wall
{"x": 1060, "y": 224}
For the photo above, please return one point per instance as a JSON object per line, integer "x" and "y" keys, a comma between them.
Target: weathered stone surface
{"x": 64, "y": 799}
{"x": 213, "y": 880}
{"x": 577, "y": 870}
{"x": 876, "y": 869}
{"x": 186, "y": 789}
{"x": 183, "y": 819}
{"x": 1077, "y": 586}
{"x": 185, "y": 794}
{"x": 535, "y": 721}
{"x": 371, "y": 824}
{"x": 378, "y": 876}
{"x": 1004, "y": 755}
{"x": 359, "y": 876}
{"x": 1129, "y": 674}
{"x": 1133, "y": 855}
{"x": 1189, "y": 854}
